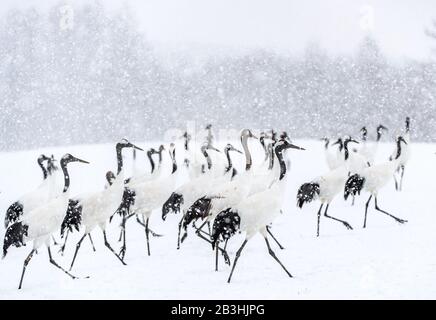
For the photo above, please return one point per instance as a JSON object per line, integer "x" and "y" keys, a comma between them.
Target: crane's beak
{"x": 293, "y": 146}
{"x": 82, "y": 161}
{"x": 214, "y": 149}
{"x": 136, "y": 147}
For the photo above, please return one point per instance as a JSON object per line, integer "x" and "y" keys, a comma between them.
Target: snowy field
{"x": 386, "y": 260}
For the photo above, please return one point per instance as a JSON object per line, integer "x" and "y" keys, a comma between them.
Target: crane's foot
{"x": 348, "y": 226}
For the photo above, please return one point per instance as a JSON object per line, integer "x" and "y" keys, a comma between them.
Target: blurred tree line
{"x": 101, "y": 80}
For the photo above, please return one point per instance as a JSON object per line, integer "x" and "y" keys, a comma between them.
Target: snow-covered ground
{"x": 386, "y": 260}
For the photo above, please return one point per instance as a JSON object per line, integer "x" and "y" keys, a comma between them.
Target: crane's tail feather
{"x": 307, "y": 193}
{"x": 353, "y": 186}
{"x": 73, "y": 218}
{"x": 225, "y": 225}
{"x": 126, "y": 204}
{"x": 14, "y": 236}
{"x": 199, "y": 210}
{"x": 172, "y": 204}
{"x": 13, "y": 213}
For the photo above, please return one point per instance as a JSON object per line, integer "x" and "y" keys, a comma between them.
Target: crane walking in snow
{"x": 254, "y": 213}
{"x": 95, "y": 209}
{"x": 40, "y": 223}
{"x": 373, "y": 178}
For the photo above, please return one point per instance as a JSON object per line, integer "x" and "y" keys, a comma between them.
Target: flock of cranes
{"x": 224, "y": 200}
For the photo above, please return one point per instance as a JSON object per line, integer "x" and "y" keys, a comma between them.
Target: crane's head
{"x": 364, "y": 132}
{"x": 206, "y": 146}
{"x": 246, "y": 133}
{"x": 284, "y": 135}
{"x": 42, "y": 158}
{"x": 229, "y": 147}
{"x": 124, "y": 143}
{"x": 340, "y": 143}
{"x": 51, "y": 165}
{"x": 110, "y": 177}
{"x": 68, "y": 158}
{"x": 401, "y": 139}
{"x": 349, "y": 139}
{"x": 284, "y": 144}
{"x": 381, "y": 128}
{"x": 326, "y": 142}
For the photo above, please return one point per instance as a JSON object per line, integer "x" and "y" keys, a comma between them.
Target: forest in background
{"x": 101, "y": 79}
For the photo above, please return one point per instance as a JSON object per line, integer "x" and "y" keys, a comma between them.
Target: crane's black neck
{"x": 271, "y": 156}
{"x": 398, "y": 149}
{"x": 66, "y": 175}
{"x": 262, "y": 142}
{"x": 346, "y": 152}
{"x": 273, "y": 135}
{"x": 407, "y": 125}
{"x": 327, "y": 142}
{"x": 365, "y": 134}
{"x": 229, "y": 160}
{"x": 41, "y": 165}
{"x": 150, "y": 158}
{"x": 379, "y": 134}
{"x": 119, "y": 149}
{"x": 279, "y": 154}
{"x": 173, "y": 158}
{"x": 187, "y": 138}
{"x": 160, "y": 156}
{"x": 208, "y": 160}
{"x": 248, "y": 161}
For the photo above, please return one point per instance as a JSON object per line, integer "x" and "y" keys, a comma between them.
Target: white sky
{"x": 285, "y": 25}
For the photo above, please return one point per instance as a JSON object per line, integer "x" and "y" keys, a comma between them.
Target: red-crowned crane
{"x": 40, "y": 223}
{"x": 94, "y": 209}
{"x": 254, "y": 213}
{"x": 374, "y": 178}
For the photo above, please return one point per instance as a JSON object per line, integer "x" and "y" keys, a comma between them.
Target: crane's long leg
{"x": 366, "y": 210}
{"x": 92, "y": 242}
{"x": 216, "y": 258}
{"x": 57, "y": 265}
{"x": 401, "y": 178}
{"x": 77, "y": 250}
{"x": 123, "y": 247}
{"x": 62, "y": 249}
{"x": 54, "y": 241}
{"x": 396, "y": 181}
{"x": 225, "y": 244}
{"x": 223, "y": 252}
{"x": 106, "y": 243}
{"x": 178, "y": 234}
{"x": 238, "y": 254}
{"x": 390, "y": 215}
{"x": 346, "y": 224}
{"x": 274, "y": 238}
{"x": 200, "y": 229}
{"x": 123, "y": 225}
{"x": 271, "y": 252}
{"x": 26, "y": 262}
{"x": 154, "y": 234}
{"x": 147, "y": 236}
{"x": 319, "y": 219}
